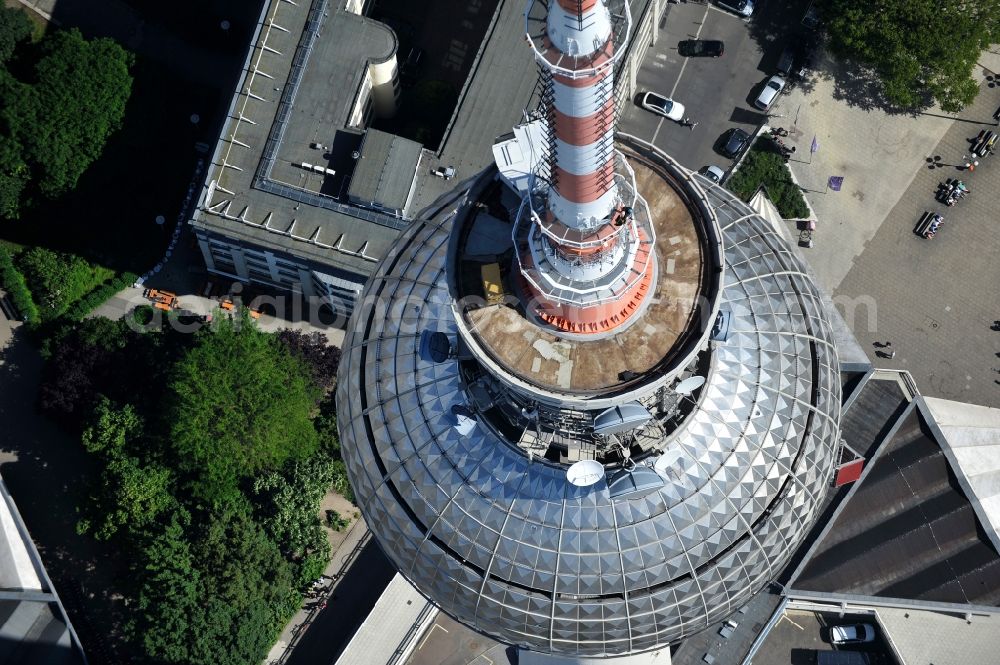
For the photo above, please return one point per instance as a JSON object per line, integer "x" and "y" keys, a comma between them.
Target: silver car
{"x": 853, "y": 633}
{"x": 742, "y": 7}
{"x": 771, "y": 90}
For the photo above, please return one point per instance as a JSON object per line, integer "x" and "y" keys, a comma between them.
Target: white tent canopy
{"x": 970, "y": 439}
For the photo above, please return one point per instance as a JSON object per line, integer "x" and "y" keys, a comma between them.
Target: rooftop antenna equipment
{"x": 689, "y": 385}
{"x": 585, "y": 473}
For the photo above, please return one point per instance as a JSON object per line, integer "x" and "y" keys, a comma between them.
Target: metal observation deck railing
{"x": 621, "y": 26}
{"x": 587, "y": 292}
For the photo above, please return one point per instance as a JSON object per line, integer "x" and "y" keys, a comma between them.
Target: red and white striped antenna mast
{"x": 583, "y": 238}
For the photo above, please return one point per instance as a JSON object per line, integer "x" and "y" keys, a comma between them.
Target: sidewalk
{"x": 128, "y": 299}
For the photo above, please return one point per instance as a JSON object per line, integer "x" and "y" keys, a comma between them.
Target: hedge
{"x": 87, "y": 304}
{"x": 764, "y": 165}
{"x": 58, "y": 280}
{"x": 14, "y": 284}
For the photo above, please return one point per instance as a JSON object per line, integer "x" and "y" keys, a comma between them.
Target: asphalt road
{"x": 716, "y": 92}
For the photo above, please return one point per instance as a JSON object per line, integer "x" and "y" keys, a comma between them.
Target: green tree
{"x": 239, "y": 404}
{"x": 129, "y": 494}
{"x": 15, "y": 27}
{"x": 243, "y": 588}
{"x": 764, "y": 166}
{"x": 14, "y": 171}
{"x": 918, "y": 48}
{"x": 56, "y": 126}
{"x": 288, "y": 503}
{"x": 168, "y": 591}
{"x": 79, "y": 96}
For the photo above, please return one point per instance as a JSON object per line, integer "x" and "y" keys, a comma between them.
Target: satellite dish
{"x": 689, "y": 385}
{"x": 665, "y": 463}
{"x": 634, "y": 483}
{"x": 623, "y": 418}
{"x": 434, "y": 347}
{"x": 585, "y": 473}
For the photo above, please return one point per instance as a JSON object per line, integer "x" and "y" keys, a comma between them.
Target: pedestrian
{"x": 323, "y": 605}
{"x": 892, "y": 354}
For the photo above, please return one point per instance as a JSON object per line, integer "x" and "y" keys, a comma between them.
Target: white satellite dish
{"x": 585, "y": 473}
{"x": 665, "y": 463}
{"x": 689, "y": 385}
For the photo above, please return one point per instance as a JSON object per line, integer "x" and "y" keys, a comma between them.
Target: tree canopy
{"x": 15, "y": 27}
{"x": 920, "y": 49}
{"x": 55, "y": 125}
{"x": 239, "y": 403}
{"x": 210, "y": 475}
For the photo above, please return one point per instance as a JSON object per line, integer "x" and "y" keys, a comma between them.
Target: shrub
{"x": 336, "y": 521}
{"x": 99, "y": 296}
{"x": 14, "y": 284}
{"x": 764, "y": 165}
{"x": 58, "y": 280}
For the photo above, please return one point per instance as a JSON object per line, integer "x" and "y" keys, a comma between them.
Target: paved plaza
{"x": 935, "y": 300}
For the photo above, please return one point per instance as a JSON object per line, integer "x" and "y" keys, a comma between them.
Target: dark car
{"x": 786, "y": 62}
{"x": 701, "y": 48}
{"x": 733, "y": 142}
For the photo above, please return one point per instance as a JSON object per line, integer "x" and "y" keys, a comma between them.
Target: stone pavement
{"x": 877, "y": 153}
{"x": 935, "y": 300}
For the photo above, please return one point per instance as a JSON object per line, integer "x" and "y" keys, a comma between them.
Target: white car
{"x": 713, "y": 173}
{"x": 742, "y": 7}
{"x": 659, "y": 104}
{"x": 771, "y": 90}
{"x": 853, "y": 633}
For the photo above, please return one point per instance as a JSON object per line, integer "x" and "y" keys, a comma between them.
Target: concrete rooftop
{"x": 299, "y": 81}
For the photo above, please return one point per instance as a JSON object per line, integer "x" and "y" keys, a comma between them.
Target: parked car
{"x": 811, "y": 17}
{"x": 742, "y": 7}
{"x": 713, "y": 173}
{"x": 661, "y": 105}
{"x": 771, "y": 90}
{"x": 733, "y": 142}
{"x": 852, "y": 633}
{"x": 786, "y": 62}
{"x": 701, "y": 48}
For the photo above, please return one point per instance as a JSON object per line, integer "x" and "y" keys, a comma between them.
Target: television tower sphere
{"x": 501, "y": 343}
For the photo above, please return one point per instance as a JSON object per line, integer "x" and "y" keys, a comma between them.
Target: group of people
{"x": 954, "y": 192}
{"x": 783, "y": 149}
